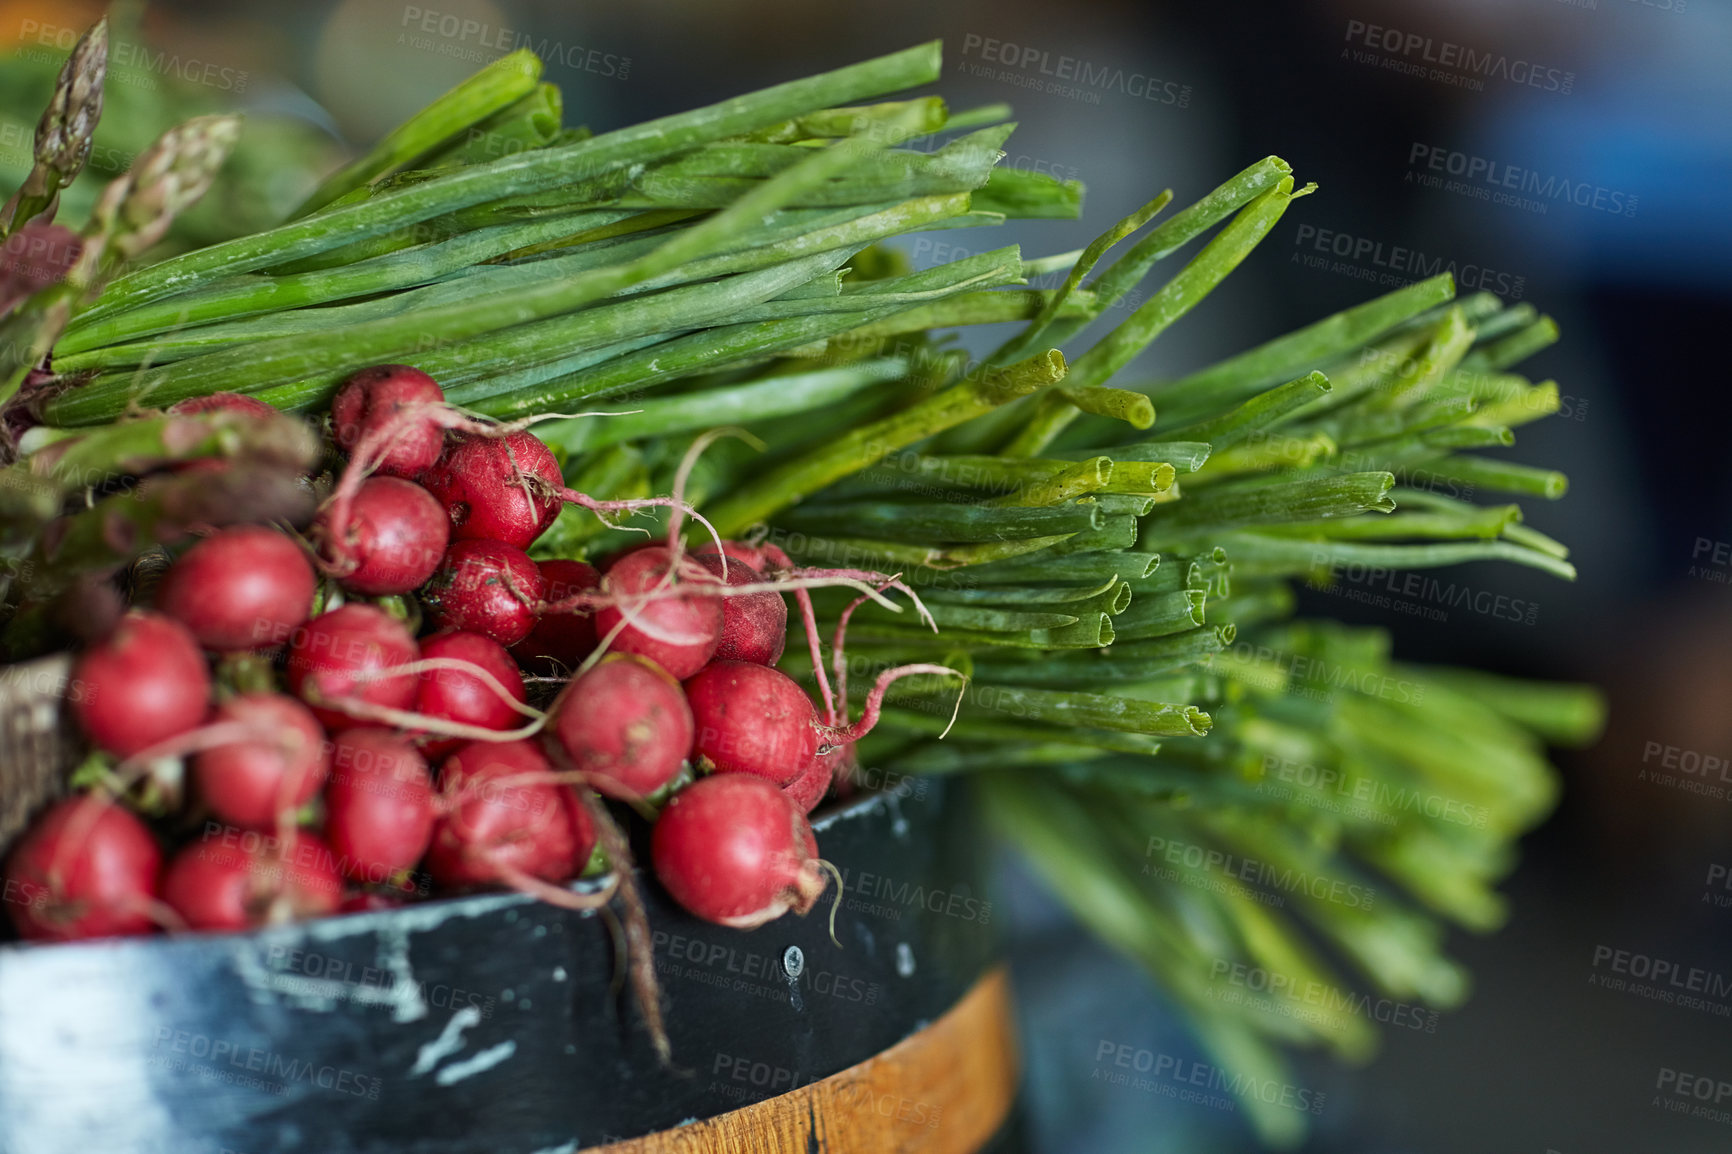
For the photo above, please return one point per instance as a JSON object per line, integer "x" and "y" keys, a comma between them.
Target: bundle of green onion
{"x": 1215, "y": 788}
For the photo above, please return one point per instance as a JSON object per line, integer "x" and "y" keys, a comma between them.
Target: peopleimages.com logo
{"x": 1365, "y": 258}
{"x": 1198, "y": 861}
{"x": 1028, "y": 66}
{"x": 1416, "y": 593}
{"x": 1197, "y": 1083}
{"x": 1416, "y": 54}
{"x": 1687, "y": 770}
{"x": 1662, "y": 980}
{"x": 1711, "y": 560}
{"x": 1239, "y": 984}
{"x": 1529, "y": 189}
{"x": 1695, "y": 1095}
{"x": 477, "y": 41}
{"x": 131, "y": 63}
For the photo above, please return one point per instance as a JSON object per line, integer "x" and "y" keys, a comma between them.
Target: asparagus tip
{"x": 63, "y": 136}
{"x": 167, "y": 180}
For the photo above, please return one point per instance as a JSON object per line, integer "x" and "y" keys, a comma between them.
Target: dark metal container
{"x": 487, "y": 1023}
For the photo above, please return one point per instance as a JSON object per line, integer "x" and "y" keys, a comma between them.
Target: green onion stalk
{"x": 1214, "y": 785}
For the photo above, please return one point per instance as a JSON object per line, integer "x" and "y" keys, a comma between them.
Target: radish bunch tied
{"x": 352, "y": 707}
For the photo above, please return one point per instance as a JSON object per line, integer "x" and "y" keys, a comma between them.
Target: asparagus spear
{"x": 133, "y": 213}
{"x": 63, "y": 136}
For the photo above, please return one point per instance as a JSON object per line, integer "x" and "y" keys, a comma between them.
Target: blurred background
{"x": 1422, "y": 123}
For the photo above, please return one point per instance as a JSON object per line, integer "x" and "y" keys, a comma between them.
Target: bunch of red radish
{"x": 371, "y": 765}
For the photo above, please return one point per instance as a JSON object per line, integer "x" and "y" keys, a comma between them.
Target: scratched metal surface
{"x": 485, "y": 1023}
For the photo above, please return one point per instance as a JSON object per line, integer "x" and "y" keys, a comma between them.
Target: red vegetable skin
{"x": 485, "y": 587}
{"x": 608, "y": 560}
{"x": 87, "y": 868}
{"x": 460, "y": 695}
{"x": 222, "y": 403}
{"x": 243, "y": 588}
{"x": 497, "y": 831}
{"x": 497, "y": 488}
{"x": 330, "y": 651}
{"x": 375, "y": 397}
{"x": 253, "y": 782}
{"x": 760, "y": 557}
{"x": 396, "y": 537}
{"x": 754, "y": 625}
{"x": 145, "y": 683}
{"x": 560, "y": 640}
{"x": 197, "y": 465}
{"x": 231, "y": 880}
{"x": 841, "y": 768}
{"x": 732, "y": 849}
{"x": 810, "y": 785}
{"x": 679, "y": 632}
{"x": 626, "y": 724}
{"x": 379, "y": 810}
{"x": 752, "y": 719}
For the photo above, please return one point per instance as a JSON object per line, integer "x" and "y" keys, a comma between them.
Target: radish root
{"x": 640, "y": 947}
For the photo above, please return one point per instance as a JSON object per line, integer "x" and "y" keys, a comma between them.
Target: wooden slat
{"x": 944, "y": 1090}
{"x": 37, "y": 739}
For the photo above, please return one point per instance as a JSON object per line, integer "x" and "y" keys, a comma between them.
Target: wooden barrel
{"x": 945, "y": 1090}
{"x": 486, "y": 1023}
{"x": 39, "y": 742}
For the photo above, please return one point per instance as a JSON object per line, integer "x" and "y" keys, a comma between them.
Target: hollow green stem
{"x": 794, "y": 481}
{"x": 525, "y": 173}
{"x": 497, "y": 86}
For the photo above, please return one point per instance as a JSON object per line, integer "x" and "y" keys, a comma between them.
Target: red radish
{"x": 146, "y": 683}
{"x": 732, "y": 849}
{"x": 254, "y": 782}
{"x": 626, "y": 724}
{"x": 222, "y": 403}
{"x": 500, "y": 831}
{"x": 235, "y": 881}
{"x": 678, "y": 632}
{"x": 770, "y": 560}
{"x": 463, "y": 696}
{"x": 752, "y": 719}
{"x": 332, "y": 656}
{"x": 243, "y": 588}
{"x": 485, "y": 587}
{"x": 378, "y": 805}
{"x": 762, "y": 558}
{"x": 609, "y": 560}
{"x": 196, "y": 465}
{"x": 836, "y": 767}
{"x": 376, "y": 401}
{"x": 393, "y": 538}
{"x": 754, "y": 625}
{"x": 839, "y": 765}
{"x": 561, "y": 640}
{"x": 87, "y": 868}
{"x": 810, "y": 784}
{"x": 497, "y": 488}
